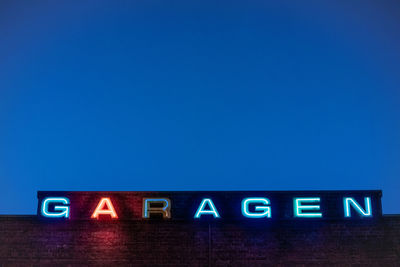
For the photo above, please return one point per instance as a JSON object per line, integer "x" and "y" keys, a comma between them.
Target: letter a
{"x": 101, "y": 210}
{"x": 201, "y": 210}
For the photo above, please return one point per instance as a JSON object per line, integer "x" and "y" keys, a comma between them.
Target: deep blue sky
{"x": 198, "y": 95}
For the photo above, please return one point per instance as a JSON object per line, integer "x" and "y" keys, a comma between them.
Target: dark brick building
{"x": 34, "y": 241}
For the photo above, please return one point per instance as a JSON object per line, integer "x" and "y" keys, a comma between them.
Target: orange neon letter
{"x": 105, "y": 201}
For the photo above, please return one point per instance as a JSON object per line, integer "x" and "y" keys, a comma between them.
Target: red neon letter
{"x": 105, "y": 201}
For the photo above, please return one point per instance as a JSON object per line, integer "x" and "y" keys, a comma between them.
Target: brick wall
{"x": 27, "y": 241}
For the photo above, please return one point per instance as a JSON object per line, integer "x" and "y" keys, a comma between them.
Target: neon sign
{"x": 265, "y": 210}
{"x": 164, "y": 210}
{"x": 58, "y": 211}
{"x": 105, "y": 207}
{"x": 202, "y": 210}
{"x": 349, "y": 201}
{"x": 300, "y": 207}
{"x": 209, "y": 205}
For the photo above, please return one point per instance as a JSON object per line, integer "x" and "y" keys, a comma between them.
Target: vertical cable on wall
{"x": 209, "y": 245}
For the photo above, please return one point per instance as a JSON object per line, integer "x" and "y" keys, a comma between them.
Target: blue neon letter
{"x": 265, "y": 211}
{"x": 200, "y": 211}
{"x": 63, "y": 211}
{"x": 349, "y": 201}
{"x": 164, "y": 210}
{"x": 299, "y": 207}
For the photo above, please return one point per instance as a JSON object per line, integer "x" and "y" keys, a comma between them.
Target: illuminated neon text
{"x": 217, "y": 206}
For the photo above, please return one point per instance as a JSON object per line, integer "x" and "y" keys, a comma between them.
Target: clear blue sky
{"x": 198, "y": 95}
